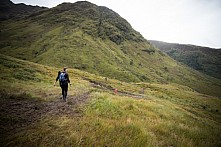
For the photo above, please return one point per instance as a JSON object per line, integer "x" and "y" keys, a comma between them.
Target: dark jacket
{"x": 66, "y": 77}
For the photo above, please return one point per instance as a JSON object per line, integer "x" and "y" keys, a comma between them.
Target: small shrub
{"x": 9, "y": 64}
{"x": 131, "y": 62}
{"x": 25, "y": 76}
{"x": 150, "y": 50}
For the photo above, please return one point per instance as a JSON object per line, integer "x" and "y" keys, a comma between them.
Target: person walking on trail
{"x": 63, "y": 78}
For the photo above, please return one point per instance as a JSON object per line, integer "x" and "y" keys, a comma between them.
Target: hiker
{"x": 115, "y": 91}
{"x": 63, "y": 80}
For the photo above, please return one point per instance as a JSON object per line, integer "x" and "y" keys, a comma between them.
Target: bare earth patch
{"x": 16, "y": 114}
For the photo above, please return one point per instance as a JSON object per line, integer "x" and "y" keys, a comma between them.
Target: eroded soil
{"x": 18, "y": 113}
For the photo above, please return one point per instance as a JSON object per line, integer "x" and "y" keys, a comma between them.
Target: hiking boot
{"x": 66, "y": 98}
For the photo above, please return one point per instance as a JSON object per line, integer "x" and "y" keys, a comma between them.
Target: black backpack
{"x": 62, "y": 77}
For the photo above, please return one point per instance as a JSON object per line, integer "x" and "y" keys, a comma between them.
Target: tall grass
{"x": 111, "y": 120}
{"x": 166, "y": 115}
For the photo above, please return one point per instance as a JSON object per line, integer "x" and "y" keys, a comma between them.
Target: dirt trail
{"x": 110, "y": 88}
{"x": 60, "y": 107}
{"x": 17, "y": 114}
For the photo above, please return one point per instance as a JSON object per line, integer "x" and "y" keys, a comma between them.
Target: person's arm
{"x": 68, "y": 80}
{"x": 57, "y": 78}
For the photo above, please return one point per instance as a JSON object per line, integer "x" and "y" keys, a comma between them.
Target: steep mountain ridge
{"x": 97, "y": 21}
{"x": 9, "y": 10}
{"x": 203, "y": 59}
{"x": 88, "y": 37}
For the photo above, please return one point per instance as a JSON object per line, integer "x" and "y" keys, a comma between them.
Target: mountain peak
{"x": 92, "y": 38}
{"x": 97, "y": 21}
{"x": 80, "y": 4}
{"x": 10, "y": 10}
{"x": 8, "y": 2}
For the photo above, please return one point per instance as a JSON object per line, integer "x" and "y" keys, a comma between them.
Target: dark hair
{"x": 64, "y": 68}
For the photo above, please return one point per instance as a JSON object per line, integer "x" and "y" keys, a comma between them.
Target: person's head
{"x": 65, "y": 69}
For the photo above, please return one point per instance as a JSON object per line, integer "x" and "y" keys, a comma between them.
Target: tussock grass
{"x": 169, "y": 115}
{"x": 118, "y": 121}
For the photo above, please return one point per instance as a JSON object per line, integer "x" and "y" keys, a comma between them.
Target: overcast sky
{"x": 195, "y": 22}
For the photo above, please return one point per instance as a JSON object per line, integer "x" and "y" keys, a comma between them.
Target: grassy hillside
{"x": 159, "y": 102}
{"x": 203, "y": 59}
{"x": 9, "y": 10}
{"x": 140, "y": 114}
{"x": 97, "y": 40}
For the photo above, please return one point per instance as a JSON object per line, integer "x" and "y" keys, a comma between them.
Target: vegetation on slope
{"x": 148, "y": 110}
{"x": 140, "y": 114}
{"x": 203, "y": 59}
{"x": 97, "y": 40}
{"x": 9, "y": 10}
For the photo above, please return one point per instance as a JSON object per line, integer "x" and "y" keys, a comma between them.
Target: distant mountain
{"x": 10, "y": 10}
{"x": 203, "y": 59}
{"x": 95, "y": 39}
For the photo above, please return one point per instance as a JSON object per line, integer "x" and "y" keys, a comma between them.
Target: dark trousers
{"x": 64, "y": 88}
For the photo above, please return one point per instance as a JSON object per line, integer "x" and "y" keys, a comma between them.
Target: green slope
{"x": 97, "y": 40}
{"x": 204, "y": 59}
{"x": 141, "y": 114}
{"x": 9, "y": 10}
